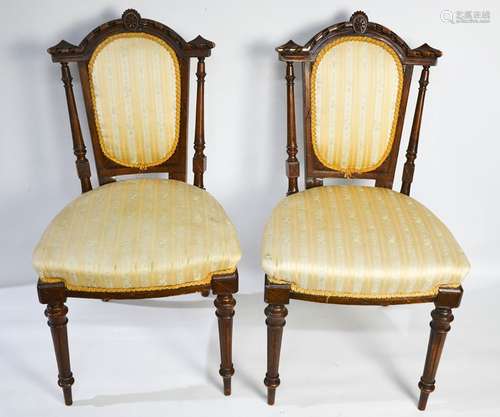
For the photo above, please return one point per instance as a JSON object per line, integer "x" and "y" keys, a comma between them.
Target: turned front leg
{"x": 275, "y": 321}
{"x": 224, "y": 304}
{"x": 440, "y": 326}
{"x": 57, "y": 320}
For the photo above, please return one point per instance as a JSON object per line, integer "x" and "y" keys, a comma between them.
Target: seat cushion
{"x": 355, "y": 241}
{"x": 138, "y": 234}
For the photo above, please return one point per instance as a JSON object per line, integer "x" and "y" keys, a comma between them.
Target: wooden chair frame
{"x": 54, "y": 295}
{"x": 278, "y": 295}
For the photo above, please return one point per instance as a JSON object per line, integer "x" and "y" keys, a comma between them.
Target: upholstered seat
{"x": 360, "y": 242}
{"x": 137, "y": 234}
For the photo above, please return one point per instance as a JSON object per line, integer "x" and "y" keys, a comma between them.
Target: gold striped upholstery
{"x": 135, "y": 87}
{"x": 138, "y": 234}
{"x": 358, "y": 241}
{"x": 356, "y": 86}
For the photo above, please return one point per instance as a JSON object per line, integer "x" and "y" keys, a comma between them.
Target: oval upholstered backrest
{"x": 356, "y": 86}
{"x": 135, "y": 88}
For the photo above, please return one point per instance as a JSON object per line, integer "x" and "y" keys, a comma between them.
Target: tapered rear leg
{"x": 205, "y": 293}
{"x": 442, "y": 316}
{"x": 56, "y": 311}
{"x": 224, "y": 286}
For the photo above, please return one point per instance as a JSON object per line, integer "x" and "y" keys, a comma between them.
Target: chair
{"x": 347, "y": 244}
{"x": 137, "y": 238}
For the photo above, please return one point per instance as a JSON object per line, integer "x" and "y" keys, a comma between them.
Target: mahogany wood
{"x": 199, "y": 158}
{"x": 278, "y": 295}
{"x": 224, "y": 287}
{"x": 292, "y": 163}
{"x": 54, "y": 295}
{"x": 225, "y": 311}
{"x": 275, "y": 321}
{"x": 440, "y": 326}
{"x": 411, "y": 153}
{"x": 56, "y": 313}
{"x": 82, "y": 164}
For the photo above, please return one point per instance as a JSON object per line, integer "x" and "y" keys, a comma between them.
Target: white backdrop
{"x": 245, "y": 114}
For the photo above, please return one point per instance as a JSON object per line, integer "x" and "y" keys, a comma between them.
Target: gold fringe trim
{"x": 295, "y": 288}
{"x": 348, "y": 171}
{"x": 205, "y": 280}
{"x": 172, "y": 53}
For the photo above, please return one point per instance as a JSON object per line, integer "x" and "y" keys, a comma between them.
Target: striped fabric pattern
{"x": 356, "y": 87}
{"x": 356, "y": 241}
{"x": 138, "y": 234}
{"x": 135, "y": 88}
